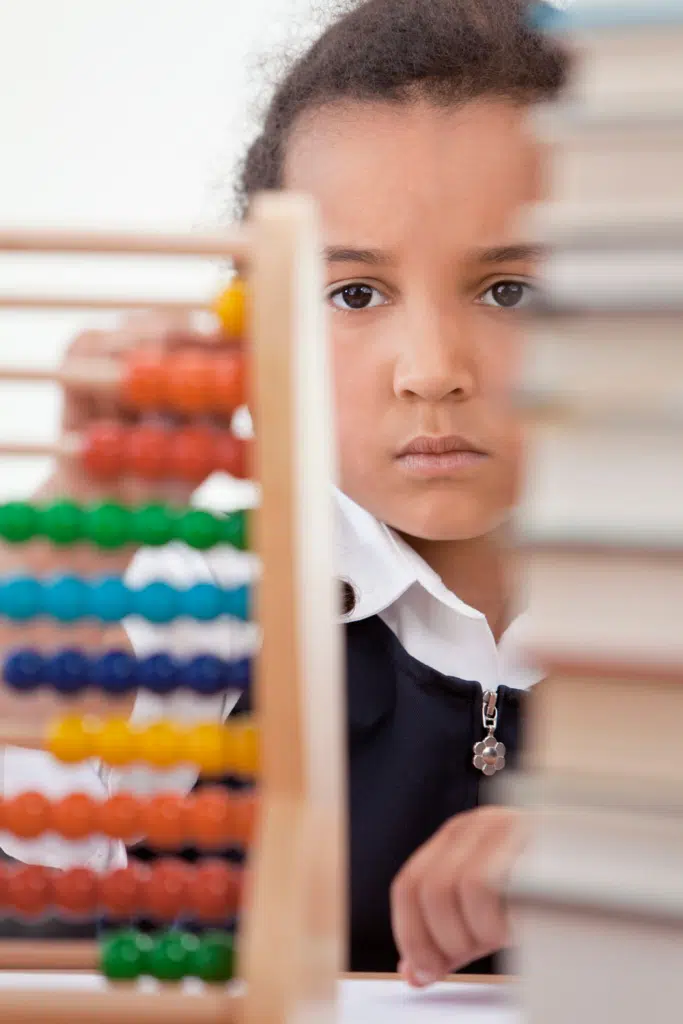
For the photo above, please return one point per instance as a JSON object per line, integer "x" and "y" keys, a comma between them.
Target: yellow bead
{"x": 242, "y": 754}
{"x": 70, "y": 740}
{"x": 230, "y": 308}
{"x": 205, "y": 747}
{"x": 115, "y": 742}
{"x": 161, "y": 744}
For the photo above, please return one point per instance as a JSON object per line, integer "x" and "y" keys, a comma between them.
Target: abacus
{"x": 291, "y": 892}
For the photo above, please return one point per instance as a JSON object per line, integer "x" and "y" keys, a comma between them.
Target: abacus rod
{"x": 103, "y": 303}
{"x": 91, "y": 373}
{"x": 115, "y": 1004}
{"x": 49, "y": 955}
{"x": 235, "y": 242}
{"x": 33, "y": 449}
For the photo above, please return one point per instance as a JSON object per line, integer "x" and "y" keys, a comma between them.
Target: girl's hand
{"x": 446, "y": 902}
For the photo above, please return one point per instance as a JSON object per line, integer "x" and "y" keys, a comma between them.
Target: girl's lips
{"x": 443, "y": 464}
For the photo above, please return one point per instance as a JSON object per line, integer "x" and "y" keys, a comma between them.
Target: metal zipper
{"x": 489, "y": 753}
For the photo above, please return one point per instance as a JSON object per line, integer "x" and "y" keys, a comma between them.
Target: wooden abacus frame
{"x": 293, "y": 945}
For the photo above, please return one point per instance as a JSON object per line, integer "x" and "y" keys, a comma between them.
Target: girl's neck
{"x": 477, "y": 570}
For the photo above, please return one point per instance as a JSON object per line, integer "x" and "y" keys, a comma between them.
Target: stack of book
{"x": 599, "y": 893}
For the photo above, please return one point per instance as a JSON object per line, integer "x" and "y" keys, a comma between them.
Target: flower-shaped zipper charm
{"x": 489, "y": 753}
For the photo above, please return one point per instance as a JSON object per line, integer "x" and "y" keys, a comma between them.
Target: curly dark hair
{"x": 448, "y": 51}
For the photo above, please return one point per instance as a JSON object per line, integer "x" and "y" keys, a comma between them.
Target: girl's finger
{"x": 423, "y": 961}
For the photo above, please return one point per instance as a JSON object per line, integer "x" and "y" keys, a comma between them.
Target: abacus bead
{"x": 21, "y": 598}
{"x": 153, "y": 525}
{"x": 147, "y": 452}
{"x": 199, "y": 529}
{"x": 165, "y": 824}
{"x": 157, "y": 602}
{"x": 115, "y": 743}
{"x": 125, "y": 955}
{"x": 203, "y": 602}
{"x": 104, "y": 450}
{"x": 74, "y": 816}
{"x": 239, "y": 675}
{"x": 70, "y": 741}
{"x": 67, "y": 671}
{"x": 66, "y": 598}
{"x": 234, "y": 530}
{"x": 19, "y": 522}
{"x": 29, "y": 890}
{"x": 144, "y": 381}
{"x": 214, "y": 961}
{"x": 108, "y": 525}
{"x": 62, "y": 522}
{"x": 230, "y": 455}
{"x": 109, "y": 599}
{"x": 204, "y": 674}
{"x": 75, "y": 891}
{"x": 120, "y": 817}
{"x": 121, "y": 892}
{"x": 158, "y": 673}
{"x": 230, "y": 308}
{"x": 205, "y": 747}
{"x": 229, "y": 391}
{"x": 192, "y": 454}
{"x": 172, "y": 956}
{"x": 189, "y": 382}
{"x": 166, "y": 892}
{"x": 215, "y": 891}
{"x": 24, "y": 670}
{"x": 115, "y": 672}
{"x": 244, "y": 749}
{"x": 27, "y": 815}
{"x": 210, "y": 818}
{"x": 245, "y": 811}
{"x": 160, "y": 744}
{"x": 236, "y": 603}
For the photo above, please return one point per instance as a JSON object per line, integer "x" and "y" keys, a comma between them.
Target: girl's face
{"x": 426, "y": 278}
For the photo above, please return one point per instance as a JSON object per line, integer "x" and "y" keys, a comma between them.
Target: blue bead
{"x": 110, "y": 599}
{"x": 115, "y": 672}
{"x": 157, "y": 602}
{"x": 204, "y": 674}
{"x": 203, "y": 602}
{"x": 158, "y": 673}
{"x": 236, "y": 603}
{"x": 238, "y": 674}
{"x": 21, "y": 598}
{"x": 23, "y": 670}
{"x": 68, "y": 671}
{"x": 66, "y": 598}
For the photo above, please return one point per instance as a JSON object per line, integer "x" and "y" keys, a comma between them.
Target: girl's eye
{"x": 508, "y": 295}
{"x": 356, "y": 296}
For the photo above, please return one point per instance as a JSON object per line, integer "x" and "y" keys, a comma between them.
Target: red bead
{"x": 144, "y": 381}
{"x": 215, "y": 891}
{"x": 147, "y": 452}
{"x": 29, "y": 890}
{"x": 192, "y": 454}
{"x": 104, "y": 450}
{"x": 120, "y": 817}
{"x": 232, "y": 455}
{"x": 210, "y": 818}
{"x": 166, "y": 892}
{"x": 246, "y": 809}
{"x": 228, "y": 389}
{"x": 189, "y": 383}
{"x": 27, "y": 815}
{"x": 121, "y": 892}
{"x": 164, "y": 820}
{"x": 74, "y": 817}
{"x": 76, "y": 891}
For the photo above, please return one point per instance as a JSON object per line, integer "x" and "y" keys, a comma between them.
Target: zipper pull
{"x": 489, "y": 753}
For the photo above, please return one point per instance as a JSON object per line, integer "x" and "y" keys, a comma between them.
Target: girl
{"x": 407, "y": 123}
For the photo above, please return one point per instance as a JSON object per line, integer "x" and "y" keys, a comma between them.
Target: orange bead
{"x": 165, "y": 821}
{"x": 143, "y": 386}
{"x": 69, "y": 740}
{"x": 74, "y": 816}
{"x": 29, "y": 890}
{"x": 114, "y": 742}
{"x": 193, "y": 454}
{"x": 228, "y": 389}
{"x": 27, "y": 815}
{"x": 210, "y": 818}
{"x": 232, "y": 455}
{"x": 189, "y": 383}
{"x": 160, "y": 744}
{"x": 166, "y": 891}
{"x": 231, "y": 309}
{"x": 121, "y": 891}
{"x": 215, "y": 891}
{"x": 246, "y": 808}
{"x": 147, "y": 452}
{"x": 120, "y": 817}
{"x": 104, "y": 450}
{"x": 75, "y": 891}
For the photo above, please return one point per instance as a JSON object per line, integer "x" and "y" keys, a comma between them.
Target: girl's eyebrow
{"x": 347, "y": 254}
{"x": 509, "y": 254}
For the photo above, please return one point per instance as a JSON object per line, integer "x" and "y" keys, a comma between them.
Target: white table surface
{"x": 362, "y": 1001}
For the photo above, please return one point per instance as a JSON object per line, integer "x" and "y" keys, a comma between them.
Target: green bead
{"x": 153, "y": 525}
{"x": 214, "y": 960}
{"x": 108, "y": 525}
{"x": 63, "y": 522}
{"x": 235, "y": 530}
{"x": 199, "y": 529}
{"x": 124, "y": 955}
{"x": 172, "y": 955}
{"x": 19, "y": 522}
